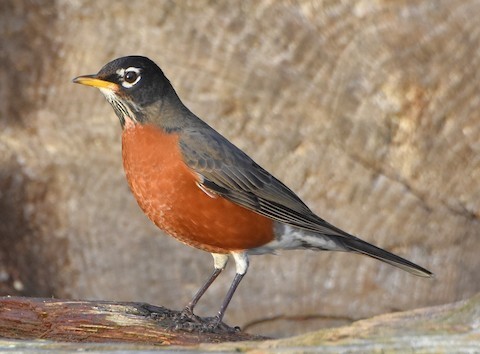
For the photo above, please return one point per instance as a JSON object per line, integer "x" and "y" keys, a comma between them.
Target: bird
{"x": 200, "y": 188}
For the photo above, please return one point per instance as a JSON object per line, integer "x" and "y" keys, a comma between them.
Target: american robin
{"x": 198, "y": 187}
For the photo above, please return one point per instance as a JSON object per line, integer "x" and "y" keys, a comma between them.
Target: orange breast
{"x": 166, "y": 190}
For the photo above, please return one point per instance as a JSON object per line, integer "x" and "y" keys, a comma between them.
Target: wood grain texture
{"x": 57, "y": 326}
{"x": 101, "y": 321}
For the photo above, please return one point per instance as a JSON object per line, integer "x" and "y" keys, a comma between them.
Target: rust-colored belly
{"x": 166, "y": 190}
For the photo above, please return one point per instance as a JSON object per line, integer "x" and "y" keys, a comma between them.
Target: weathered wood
{"x": 450, "y": 328}
{"x": 129, "y": 327}
{"x": 104, "y": 321}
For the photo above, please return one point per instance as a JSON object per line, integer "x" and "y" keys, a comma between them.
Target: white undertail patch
{"x": 290, "y": 238}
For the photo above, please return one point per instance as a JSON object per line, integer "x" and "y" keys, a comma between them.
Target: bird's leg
{"x": 188, "y": 310}
{"x": 219, "y": 262}
{"x": 241, "y": 262}
{"x": 228, "y": 297}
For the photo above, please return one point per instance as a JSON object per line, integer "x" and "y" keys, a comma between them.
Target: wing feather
{"x": 229, "y": 172}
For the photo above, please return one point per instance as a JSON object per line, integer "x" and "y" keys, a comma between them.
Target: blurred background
{"x": 369, "y": 110}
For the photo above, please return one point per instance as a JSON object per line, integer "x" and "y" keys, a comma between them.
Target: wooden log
{"x": 111, "y": 327}
{"x": 105, "y": 321}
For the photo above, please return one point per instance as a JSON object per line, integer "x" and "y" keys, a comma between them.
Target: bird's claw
{"x": 188, "y": 321}
{"x": 187, "y": 314}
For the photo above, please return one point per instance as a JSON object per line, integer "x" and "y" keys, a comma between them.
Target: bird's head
{"x": 131, "y": 84}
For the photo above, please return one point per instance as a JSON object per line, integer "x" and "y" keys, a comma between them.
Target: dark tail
{"x": 356, "y": 245}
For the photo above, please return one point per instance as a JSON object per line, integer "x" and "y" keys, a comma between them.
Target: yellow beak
{"x": 92, "y": 80}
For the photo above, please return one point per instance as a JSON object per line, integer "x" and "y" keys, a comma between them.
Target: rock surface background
{"x": 369, "y": 110}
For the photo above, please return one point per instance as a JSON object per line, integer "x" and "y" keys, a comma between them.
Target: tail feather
{"x": 356, "y": 245}
{"x": 291, "y": 237}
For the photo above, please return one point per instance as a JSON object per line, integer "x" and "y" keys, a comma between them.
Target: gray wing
{"x": 232, "y": 174}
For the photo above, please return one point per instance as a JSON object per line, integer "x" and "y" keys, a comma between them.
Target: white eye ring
{"x": 130, "y": 77}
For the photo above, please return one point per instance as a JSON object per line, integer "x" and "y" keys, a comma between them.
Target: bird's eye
{"x": 130, "y": 77}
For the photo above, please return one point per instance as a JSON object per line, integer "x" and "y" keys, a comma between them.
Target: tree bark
{"x": 104, "y": 321}
{"x": 128, "y": 327}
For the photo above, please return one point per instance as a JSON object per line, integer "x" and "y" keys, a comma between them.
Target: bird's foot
{"x": 188, "y": 315}
{"x": 214, "y": 324}
{"x": 188, "y": 321}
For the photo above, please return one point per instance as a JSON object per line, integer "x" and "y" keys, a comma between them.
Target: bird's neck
{"x": 170, "y": 114}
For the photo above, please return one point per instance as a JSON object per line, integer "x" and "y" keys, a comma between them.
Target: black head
{"x": 130, "y": 84}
